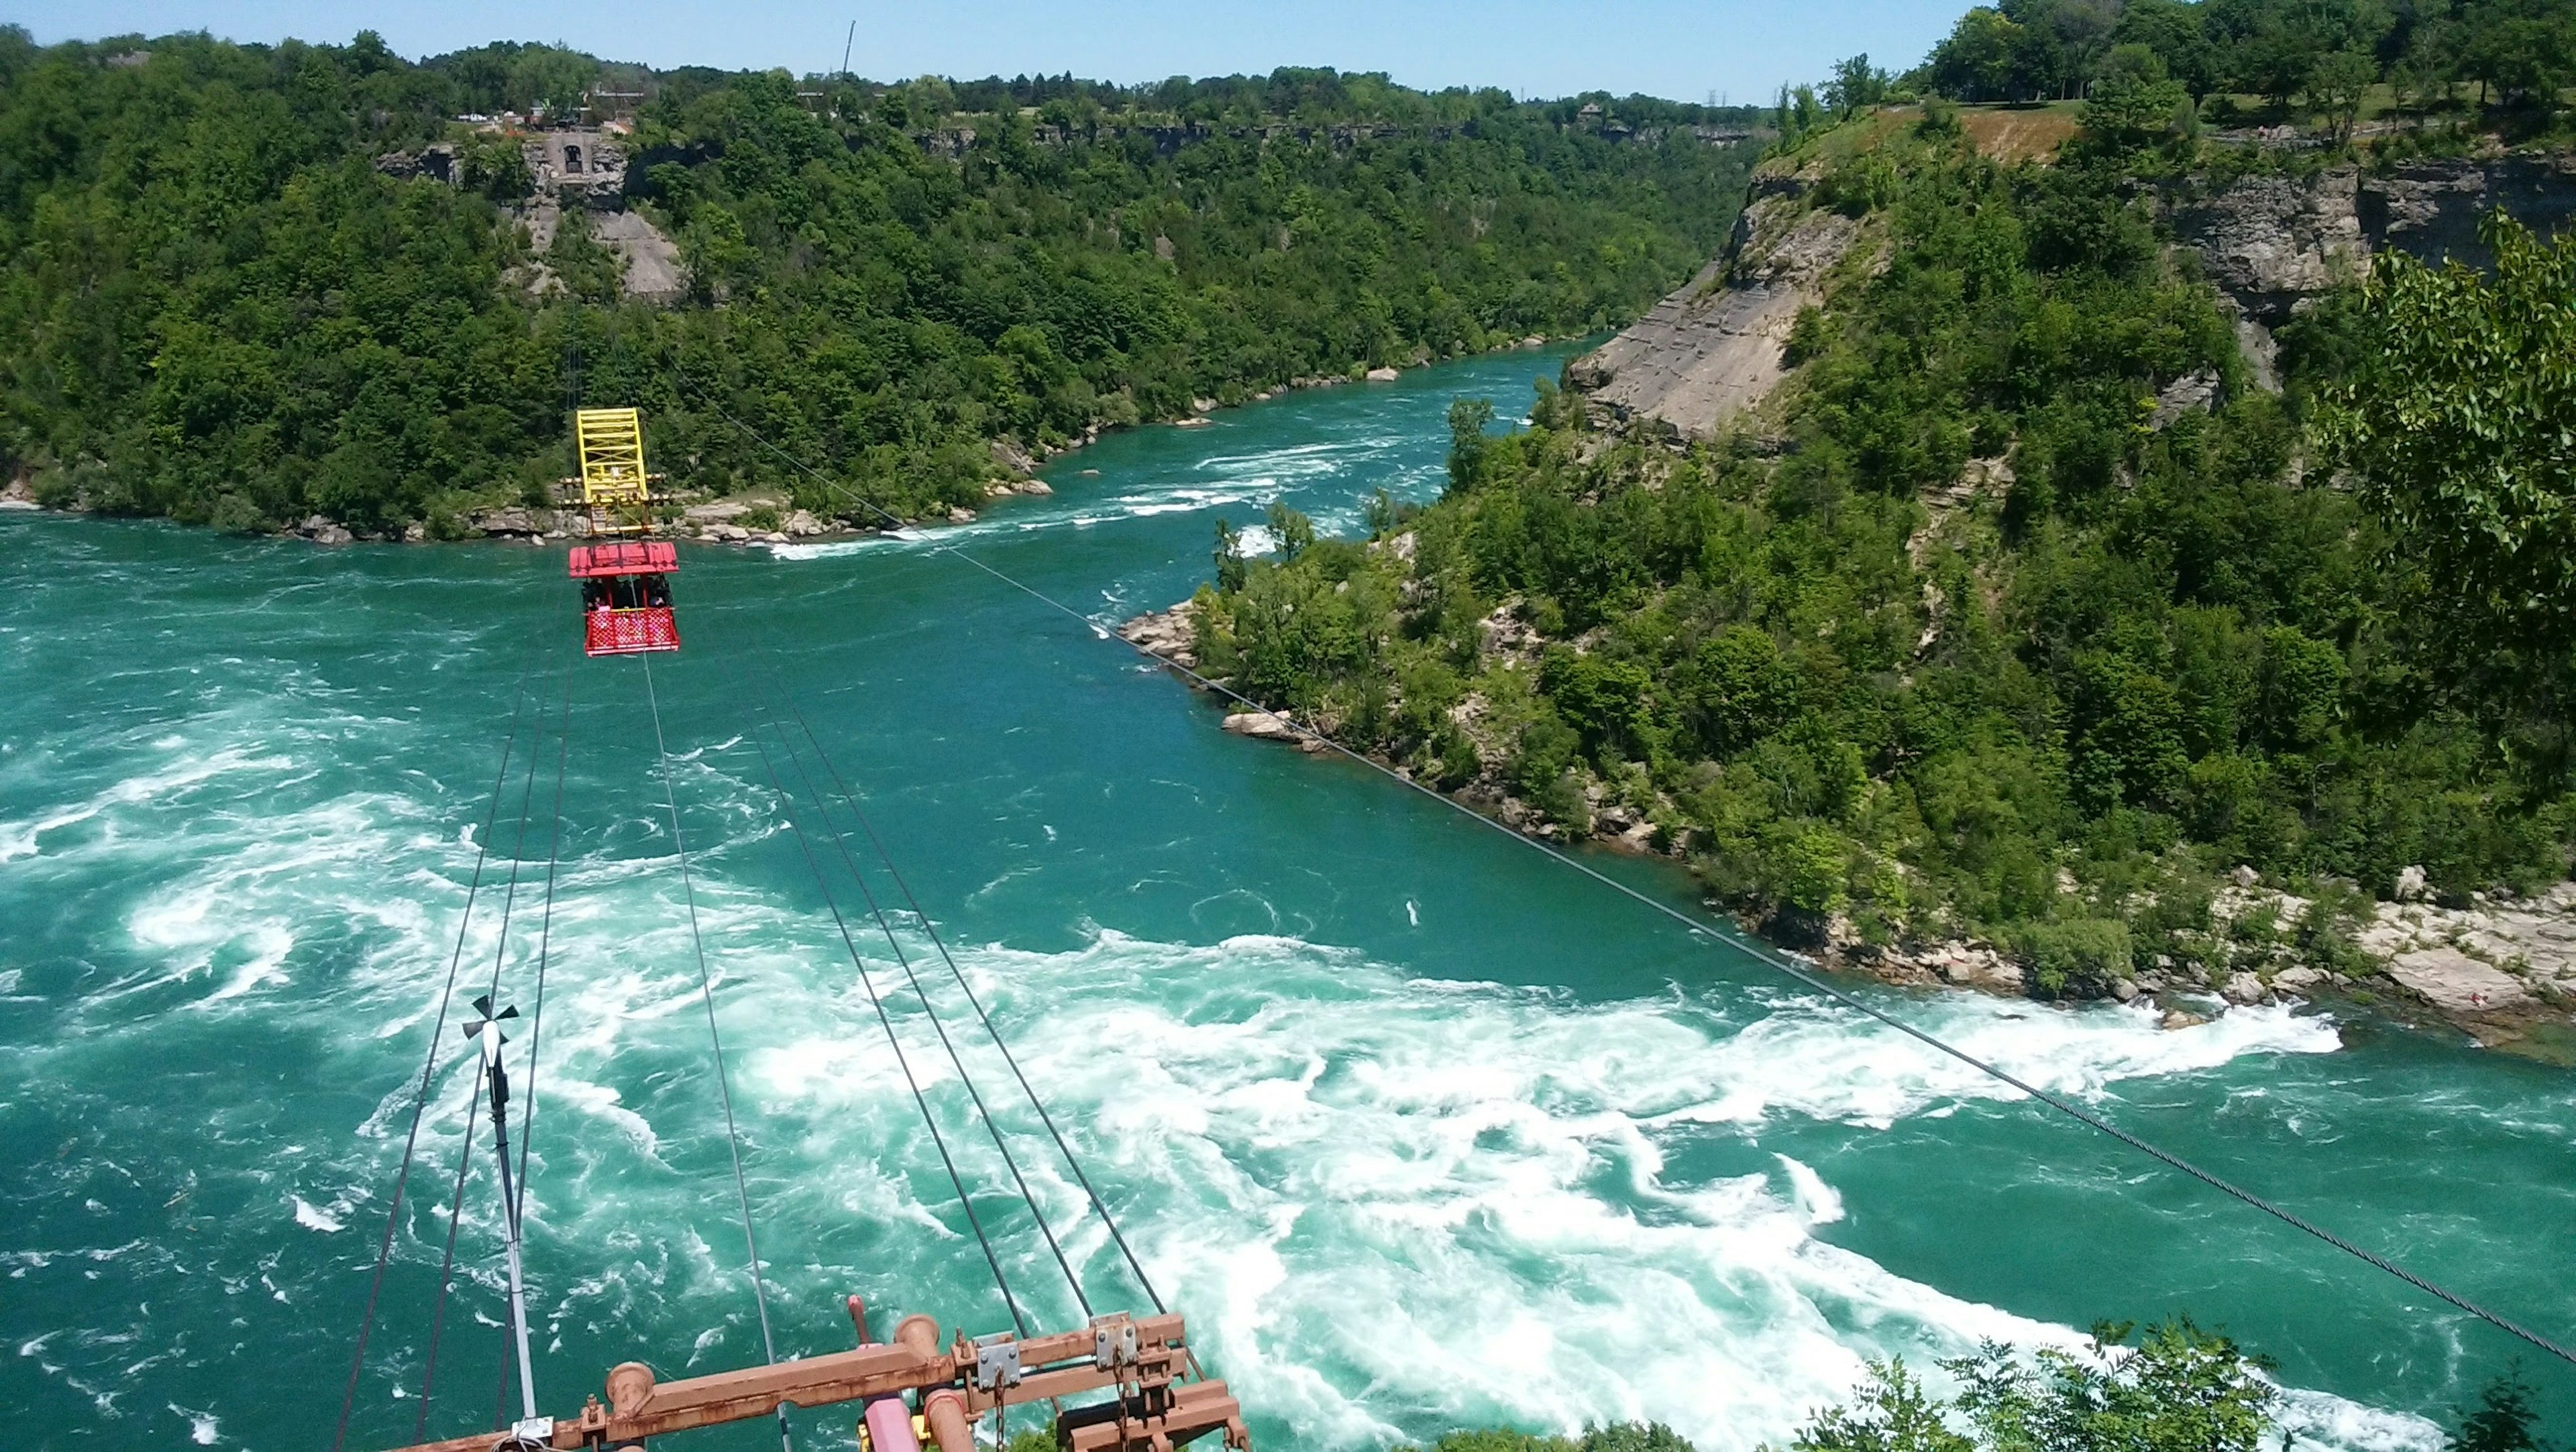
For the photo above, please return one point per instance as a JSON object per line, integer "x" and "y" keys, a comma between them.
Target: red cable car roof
{"x": 625, "y": 557}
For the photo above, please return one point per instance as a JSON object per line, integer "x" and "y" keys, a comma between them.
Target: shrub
{"x": 2081, "y": 956}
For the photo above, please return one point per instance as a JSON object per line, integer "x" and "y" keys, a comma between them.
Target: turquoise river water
{"x": 1419, "y": 1129}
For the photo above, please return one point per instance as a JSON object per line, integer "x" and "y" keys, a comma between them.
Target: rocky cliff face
{"x": 2273, "y": 243}
{"x": 1713, "y": 348}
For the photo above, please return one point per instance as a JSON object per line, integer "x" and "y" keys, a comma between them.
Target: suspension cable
{"x": 707, "y": 995}
{"x": 429, "y": 1066}
{"x": 447, "y": 1261}
{"x": 537, "y": 1014}
{"x": 885, "y": 925}
{"x": 1762, "y": 955}
{"x": 500, "y": 952}
{"x": 850, "y": 799}
{"x": 867, "y": 984}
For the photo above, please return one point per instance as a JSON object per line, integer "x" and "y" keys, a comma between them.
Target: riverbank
{"x": 2500, "y": 969}
{"x": 760, "y": 517}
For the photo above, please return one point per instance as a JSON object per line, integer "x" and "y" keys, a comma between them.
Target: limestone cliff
{"x": 2272, "y": 243}
{"x": 1714, "y": 348}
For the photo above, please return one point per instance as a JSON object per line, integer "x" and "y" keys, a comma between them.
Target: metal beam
{"x": 1055, "y": 1365}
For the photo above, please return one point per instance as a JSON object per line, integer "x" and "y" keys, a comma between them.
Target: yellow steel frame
{"x": 614, "y": 483}
{"x": 612, "y": 455}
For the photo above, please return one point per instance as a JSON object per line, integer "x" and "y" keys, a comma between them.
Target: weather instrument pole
{"x": 531, "y": 1430}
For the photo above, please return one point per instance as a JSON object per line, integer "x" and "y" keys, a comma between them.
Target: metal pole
{"x": 500, "y": 1081}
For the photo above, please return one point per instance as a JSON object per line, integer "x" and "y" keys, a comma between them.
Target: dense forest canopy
{"x": 220, "y": 307}
{"x": 1973, "y": 629}
{"x": 2282, "y": 50}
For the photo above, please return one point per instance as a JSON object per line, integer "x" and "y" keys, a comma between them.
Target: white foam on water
{"x": 1227, "y": 479}
{"x": 2320, "y": 1420}
{"x": 1318, "y": 1157}
{"x": 164, "y": 786}
{"x": 1315, "y": 1154}
{"x": 1816, "y": 1200}
{"x": 203, "y": 1428}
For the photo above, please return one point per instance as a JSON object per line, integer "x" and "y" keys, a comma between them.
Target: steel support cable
{"x": 992, "y": 1126}
{"x": 1100, "y": 1208}
{"x": 537, "y": 1013}
{"x": 867, "y": 984}
{"x": 715, "y": 1039}
{"x": 447, "y": 1260}
{"x": 1764, "y": 956}
{"x": 500, "y": 952}
{"x": 429, "y": 1066}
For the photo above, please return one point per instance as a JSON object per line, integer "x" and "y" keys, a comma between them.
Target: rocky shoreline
{"x": 2501, "y": 970}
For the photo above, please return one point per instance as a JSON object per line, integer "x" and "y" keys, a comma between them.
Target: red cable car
{"x": 626, "y": 596}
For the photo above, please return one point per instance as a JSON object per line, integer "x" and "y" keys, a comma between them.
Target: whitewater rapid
{"x": 1416, "y": 1132}
{"x": 1316, "y": 1154}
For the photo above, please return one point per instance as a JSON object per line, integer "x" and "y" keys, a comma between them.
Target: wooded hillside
{"x": 218, "y": 306}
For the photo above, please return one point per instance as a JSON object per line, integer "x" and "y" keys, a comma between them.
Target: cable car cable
{"x": 867, "y": 984}
{"x": 707, "y": 995}
{"x": 447, "y": 1261}
{"x": 1762, "y": 956}
{"x": 850, "y": 799}
{"x": 992, "y": 1125}
{"x": 545, "y": 943}
{"x": 537, "y": 1017}
{"x": 500, "y": 952}
{"x": 429, "y": 1068}
{"x": 724, "y": 1089}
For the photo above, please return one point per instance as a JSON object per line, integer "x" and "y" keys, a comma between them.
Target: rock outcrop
{"x": 2272, "y": 243}
{"x": 652, "y": 260}
{"x": 1171, "y": 634}
{"x": 1714, "y": 348}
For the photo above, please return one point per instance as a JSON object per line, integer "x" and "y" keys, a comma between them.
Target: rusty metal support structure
{"x": 1139, "y": 1359}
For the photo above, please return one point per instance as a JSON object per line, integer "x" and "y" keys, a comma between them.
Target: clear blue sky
{"x": 1677, "y": 48}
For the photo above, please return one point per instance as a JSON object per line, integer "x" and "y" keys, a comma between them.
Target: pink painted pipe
{"x": 889, "y": 1421}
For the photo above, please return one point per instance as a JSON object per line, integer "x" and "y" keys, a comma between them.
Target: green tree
{"x": 1467, "y": 442}
{"x": 1975, "y": 62}
{"x": 2335, "y": 86}
{"x": 2177, "y": 1387}
{"x": 1892, "y": 1412}
{"x": 1856, "y": 85}
{"x": 1293, "y": 532}
{"x": 2459, "y": 426}
{"x": 2503, "y": 1420}
{"x": 1228, "y": 557}
{"x": 2134, "y": 103}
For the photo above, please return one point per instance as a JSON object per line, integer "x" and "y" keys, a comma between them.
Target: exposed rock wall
{"x": 2273, "y": 243}
{"x": 1713, "y": 348}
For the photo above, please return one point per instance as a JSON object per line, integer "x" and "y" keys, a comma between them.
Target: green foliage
{"x": 2460, "y": 426}
{"x": 2503, "y": 1420}
{"x": 2051, "y": 713}
{"x": 2179, "y": 1387}
{"x": 1891, "y": 1413}
{"x": 217, "y": 302}
{"x": 1467, "y": 420}
{"x": 2325, "y": 54}
{"x": 2135, "y": 103}
{"x": 2083, "y": 956}
{"x": 1617, "y": 1437}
